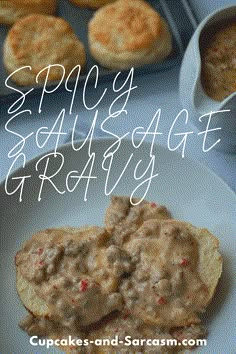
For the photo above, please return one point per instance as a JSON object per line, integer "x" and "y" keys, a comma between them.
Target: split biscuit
{"x": 128, "y": 34}
{"x": 71, "y": 274}
{"x": 38, "y": 41}
{"x": 93, "y": 4}
{"x": 12, "y": 10}
{"x": 177, "y": 270}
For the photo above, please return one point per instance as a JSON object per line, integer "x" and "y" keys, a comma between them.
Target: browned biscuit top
{"x": 12, "y": 10}
{"x": 126, "y": 26}
{"x": 40, "y": 40}
{"x": 94, "y": 4}
{"x": 27, "y": 2}
{"x": 22, "y": 3}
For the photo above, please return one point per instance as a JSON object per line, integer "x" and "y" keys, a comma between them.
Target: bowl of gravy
{"x": 208, "y": 78}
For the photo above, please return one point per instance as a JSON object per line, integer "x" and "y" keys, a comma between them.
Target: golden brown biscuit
{"x": 13, "y": 10}
{"x": 128, "y": 34}
{"x": 93, "y": 4}
{"x": 38, "y": 41}
{"x": 177, "y": 269}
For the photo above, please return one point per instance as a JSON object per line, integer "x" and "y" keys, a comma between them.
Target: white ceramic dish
{"x": 192, "y": 193}
{"x": 192, "y": 94}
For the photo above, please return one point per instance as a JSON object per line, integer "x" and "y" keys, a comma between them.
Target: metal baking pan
{"x": 178, "y": 14}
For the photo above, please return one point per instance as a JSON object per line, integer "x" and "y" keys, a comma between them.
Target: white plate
{"x": 189, "y": 190}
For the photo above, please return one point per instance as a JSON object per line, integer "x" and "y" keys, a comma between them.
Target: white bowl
{"x": 193, "y": 96}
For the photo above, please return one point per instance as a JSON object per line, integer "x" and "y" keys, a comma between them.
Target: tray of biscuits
{"x": 49, "y": 41}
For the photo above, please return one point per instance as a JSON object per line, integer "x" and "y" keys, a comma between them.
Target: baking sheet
{"x": 178, "y": 14}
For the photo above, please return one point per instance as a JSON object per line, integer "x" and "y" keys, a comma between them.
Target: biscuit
{"x": 128, "y": 34}
{"x": 93, "y": 4}
{"x": 39, "y": 41}
{"x": 61, "y": 272}
{"x": 123, "y": 219}
{"x": 13, "y": 10}
{"x": 177, "y": 271}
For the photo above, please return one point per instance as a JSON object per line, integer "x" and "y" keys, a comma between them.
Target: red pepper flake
{"x": 184, "y": 262}
{"x": 153, "y": 205}
{"x": 73, "y": 300}
{"x": 39, "y": 251}
{"x": 84, "y": 285}
{"x": 55, "y": 287}
{"x": 40, "y": 263}
{"x": 161, "y": 301}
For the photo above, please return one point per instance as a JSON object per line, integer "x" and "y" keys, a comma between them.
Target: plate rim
{"x": 98, "y": 140}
